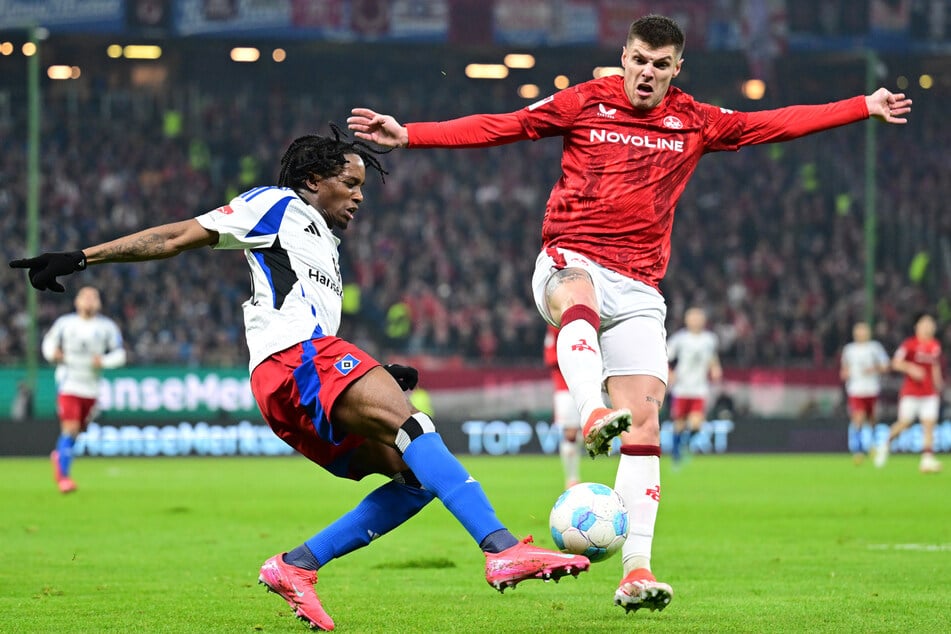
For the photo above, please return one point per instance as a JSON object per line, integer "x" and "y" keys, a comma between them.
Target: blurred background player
{"x": 629, "y": 146}
{"x": 81, "y": 344}
{"x": 919, "y": 359}
{"x": 565, "y": 414}
{"x": 863, "y": 362}
{"x": 692, "y": 356}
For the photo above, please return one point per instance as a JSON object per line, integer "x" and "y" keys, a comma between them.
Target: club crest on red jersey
{"x": 226, "y": 210}
{"x": 672, "y": 122}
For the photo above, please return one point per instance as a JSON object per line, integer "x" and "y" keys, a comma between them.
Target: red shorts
{"x": 72, "y": 408}
{"x": 864, "y": 405}
{"x": 296, "y": 390}
{"x": 682, "y": 407}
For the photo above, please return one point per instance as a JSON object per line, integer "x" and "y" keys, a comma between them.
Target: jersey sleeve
{"x": 52, "y": 340}
{"x": 792, "y": 122}
{"x": 881, "y": 357}
{"x": 478, "y": 130}
{"x": 553, "y": 115}
{"x": 251, "y": 220}
{"x": 672, "y": 348}
{"x": 115, "y": 355}
{"x": 901, "y": 353}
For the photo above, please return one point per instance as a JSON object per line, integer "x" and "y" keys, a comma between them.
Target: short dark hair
{"x": 324, "y": 156}
{"x": 657, "y": 31}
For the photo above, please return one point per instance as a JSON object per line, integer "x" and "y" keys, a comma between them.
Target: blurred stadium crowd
{"x": 439, "y": 259}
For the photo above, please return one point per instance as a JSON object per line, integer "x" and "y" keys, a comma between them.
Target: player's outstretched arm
{"x": 381, "y": 129}
{"x": 163, "y": 241}
{"x": 888, "y": 106}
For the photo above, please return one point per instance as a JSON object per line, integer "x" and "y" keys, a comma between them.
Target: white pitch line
{"x": 926, "y": 548}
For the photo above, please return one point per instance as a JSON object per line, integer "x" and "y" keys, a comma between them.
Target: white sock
{"x": 638, "y": 482}
{"x": 579, "y": 359}
{"x": 570, "y": 458}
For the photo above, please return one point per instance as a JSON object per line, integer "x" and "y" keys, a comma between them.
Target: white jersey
{"x": 694, "y": 353}
{"x": 296, "y": 290}
{"x": 862, "y": 360}
{"x": 80, "y": 340}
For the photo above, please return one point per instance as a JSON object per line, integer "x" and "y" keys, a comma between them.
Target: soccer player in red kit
{"x": 629, "y": 146}
{"x": 919, "y": 359}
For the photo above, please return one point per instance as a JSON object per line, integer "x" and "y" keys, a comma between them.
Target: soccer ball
{"x": 589, "y": 519}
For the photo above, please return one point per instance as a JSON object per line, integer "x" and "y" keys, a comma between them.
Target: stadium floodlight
{"x": 519, "y": 60}
{"x": 528, "y": 91}
{"x": 754, "y": 89}
{"x": 561, "y": 82}
{"x": 142, "y": 51}
{"x": 114, "y": 51}
{"x": 279, "y": 55}
{"x": 245, "y": 54}
{"x": 926, "y": 81}
{"x": 29, "y": 49}
{"x": 6, "y": 48}
{"x": 487, "y": 71}
{"x": 59, "y": 71}
{"x": 604, "y": 71}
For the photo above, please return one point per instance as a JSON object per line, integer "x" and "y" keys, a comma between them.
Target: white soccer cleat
{"x": 929, "y": 464}
{"x": 880, "y": 455}
{"x": 640, "y": 589}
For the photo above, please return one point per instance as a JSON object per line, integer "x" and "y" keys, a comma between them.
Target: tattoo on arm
{"x": 651, "y": 399}
{"x": 144, "y": 246}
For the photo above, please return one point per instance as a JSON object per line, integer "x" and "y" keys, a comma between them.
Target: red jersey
{"x": 926, "y": 355}
{"x": 624, "y": 169}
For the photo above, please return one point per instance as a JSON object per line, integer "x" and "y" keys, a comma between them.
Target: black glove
{"x": 45, "y": 268}
{"x": 405, "y": 375}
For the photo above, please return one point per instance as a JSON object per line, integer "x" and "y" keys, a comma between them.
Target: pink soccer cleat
{"x": 602, "y": 427}
{"x": 65, "y": 483}
{"x": 639, "y": 589}
{"x": 525, "y": 561}
{"x": 296, "y": 586}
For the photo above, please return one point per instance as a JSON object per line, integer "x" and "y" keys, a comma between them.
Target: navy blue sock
{"x": 378, "y": 513}
{"x": 440, "y": 472}
{"x": 302, "y": 557}
{"x": 498, "y": 541}
{"x": 64, "y": 445}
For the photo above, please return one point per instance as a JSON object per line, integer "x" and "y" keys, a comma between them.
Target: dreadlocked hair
{"x": 324, "y": 156}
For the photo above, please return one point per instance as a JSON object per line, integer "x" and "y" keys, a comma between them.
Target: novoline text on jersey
{"x": 638, "y": 140}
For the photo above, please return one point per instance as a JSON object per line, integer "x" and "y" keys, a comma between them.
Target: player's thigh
{"x": 373, "y": 406}
{"x": 636, "y": 346}
{"x": 909, "y": 409}
{"x": 563, "y": 279}
{"x": 929, "y": 409}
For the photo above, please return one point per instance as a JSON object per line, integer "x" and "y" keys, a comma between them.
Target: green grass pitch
{"x": 749, "y": 544}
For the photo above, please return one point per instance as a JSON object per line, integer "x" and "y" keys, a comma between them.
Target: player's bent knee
{"x": 411, "y": 429}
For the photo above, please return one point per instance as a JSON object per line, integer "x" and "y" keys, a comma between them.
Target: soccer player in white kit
{"x": 863, "y": 362}
{"x": 81, "y": 344}
{"x": 693, "y": 359}
{"x": 322, "y": 395}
